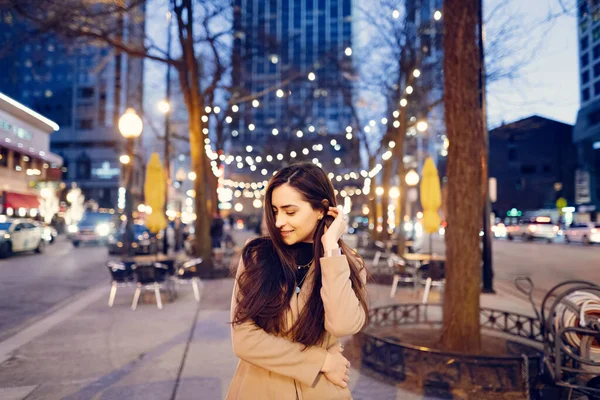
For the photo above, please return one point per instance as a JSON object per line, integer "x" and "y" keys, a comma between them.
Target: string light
{"x": 403, "y": 102}
{"x": 348, "y": 51}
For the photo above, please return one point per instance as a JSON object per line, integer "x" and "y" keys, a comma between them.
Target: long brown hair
{"x": 267, "y": 284}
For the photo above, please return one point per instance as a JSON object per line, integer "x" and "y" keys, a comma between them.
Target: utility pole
{"x": 167, "y": 154}
{"x": 487, "y": 267}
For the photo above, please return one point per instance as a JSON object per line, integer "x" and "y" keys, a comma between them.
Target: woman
{"x": 296, "y": 292}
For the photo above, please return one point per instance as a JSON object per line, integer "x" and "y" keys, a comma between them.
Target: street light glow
{"x": 412, "y": 178}
{"x": 422, "y": 126}
{"x": 379, "y": 191}
{"x": 130, "y": 124}
{"x": 164, "y": 106}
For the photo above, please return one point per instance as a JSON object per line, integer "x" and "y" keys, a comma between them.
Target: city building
{"x": 586, "y": 134}
{"x": 84, "y": 88}
{"x": 533, "y": 161}
{"x": 25, "y": 157}
{"x": 292, "y": 55}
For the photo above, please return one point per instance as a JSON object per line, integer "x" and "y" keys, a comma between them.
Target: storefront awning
{"x": 18, "y": 200}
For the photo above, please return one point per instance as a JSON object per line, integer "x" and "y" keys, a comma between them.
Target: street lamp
{"x": 130, "y": 126}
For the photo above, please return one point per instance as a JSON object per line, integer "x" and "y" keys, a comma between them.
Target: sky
{"x": 548, "y": 84}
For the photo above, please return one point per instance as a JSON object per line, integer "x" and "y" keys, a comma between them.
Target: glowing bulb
{"x": 348, "y": 51}
{"x": 312, "y": 76}
{"x": 275, "y": 132}
{"x": 255, "y": 103}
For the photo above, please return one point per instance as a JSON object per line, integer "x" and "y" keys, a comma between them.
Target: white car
{"x": 535, "y": 228}
{"x": 584, "y": 233}
{"x": 17, "y": 235}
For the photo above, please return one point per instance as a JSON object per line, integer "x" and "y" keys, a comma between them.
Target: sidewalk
{"x": 87, "y": 350}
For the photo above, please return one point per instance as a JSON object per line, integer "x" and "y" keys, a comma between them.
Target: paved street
{"x": 545, "y": 263}
{"x": 32, "y": 284}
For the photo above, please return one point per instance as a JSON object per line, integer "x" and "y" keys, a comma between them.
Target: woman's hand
{"x": 334, "y": 232}
{"x": 336, "y": 367}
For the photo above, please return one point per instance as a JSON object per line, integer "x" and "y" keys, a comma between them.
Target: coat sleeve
{"x": 274, "y": 353}
{"x": 344, "y": 315}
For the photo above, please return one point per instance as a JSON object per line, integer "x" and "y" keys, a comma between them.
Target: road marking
{"x": 49, "y": 321}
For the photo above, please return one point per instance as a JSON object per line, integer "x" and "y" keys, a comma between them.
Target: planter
{"x": 507, "y": 375}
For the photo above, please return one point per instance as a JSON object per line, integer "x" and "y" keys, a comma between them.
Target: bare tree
{"x": 100, "y": 22}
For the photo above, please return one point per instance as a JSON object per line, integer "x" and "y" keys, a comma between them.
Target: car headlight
{"x": 102, "y": 229}
{"x": 73, "y": 229}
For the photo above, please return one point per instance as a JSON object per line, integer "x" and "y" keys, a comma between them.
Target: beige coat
{"x": 274, "y": 367}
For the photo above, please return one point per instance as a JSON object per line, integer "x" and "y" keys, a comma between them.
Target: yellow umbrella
{"x": 154, "y": 193}
{"x": 431, "y": 197}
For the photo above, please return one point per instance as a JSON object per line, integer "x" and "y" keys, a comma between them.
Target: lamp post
{"x": 130, "y": 126}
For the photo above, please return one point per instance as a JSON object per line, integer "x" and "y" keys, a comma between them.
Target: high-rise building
{"x": 298, "y": 54}
{"x": 586, "y": 134}
{"x": 84, "y": 89}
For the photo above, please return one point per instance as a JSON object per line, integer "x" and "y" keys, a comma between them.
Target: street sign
{"x": 582, "y": 187}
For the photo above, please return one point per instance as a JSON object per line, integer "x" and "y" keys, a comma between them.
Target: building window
{"x": 596, "y": 51}
{"x": 3, "y": 157}
{"x": 584, "y": 43}
{"x": 597, "y": 88}
{"x": 585, "y": 94}
{"x": 585, "y": 77}
{"x": 17, "y": 161}
{"x": 596, "y": 33}
{"x": 583, "y": 10}
{"x": 585, "y": 60}
{"x": 512, "y": 154}
{"x": 85, "y": 93}
{"x": 84, "y": 124}
{"x": 596, "y": 70}
{"x": 596, "y": 15}
{"x": 83, "y": 167}
{"x": 528, "y": 169}
{"x": 583, "y": 27}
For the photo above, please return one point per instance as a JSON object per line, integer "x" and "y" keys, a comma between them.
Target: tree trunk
{"x": 189, "y": 78}
{"x": 461, "y": 328}
{"x": 399, "y": 155}
{"x": 386, "y": 179}
{"x": 373, "y": 203}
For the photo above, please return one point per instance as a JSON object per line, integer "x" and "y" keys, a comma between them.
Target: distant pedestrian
{"x": 297, "y": 291}
{"x": 216, "y": 230}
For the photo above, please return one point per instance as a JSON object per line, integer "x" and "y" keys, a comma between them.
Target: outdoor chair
{"x": 403, "y": 272}
{"x": 383, "y": 251}
{"x": 121, "y": 275}
{"x": 188, "y": 273}
{"x": 434, "y": 271}
{"x": 150, "y": 277}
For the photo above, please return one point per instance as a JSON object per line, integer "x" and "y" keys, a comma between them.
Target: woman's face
{"x": 295, "y": 218}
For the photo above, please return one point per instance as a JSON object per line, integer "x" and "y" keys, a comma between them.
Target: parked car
{"x": 18, "y": 235}
{"x": 143, "y": 242}
{"x": 94, "y": 227}
{"x": 535, "y": 228}
{"x": 584, "y": 233}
